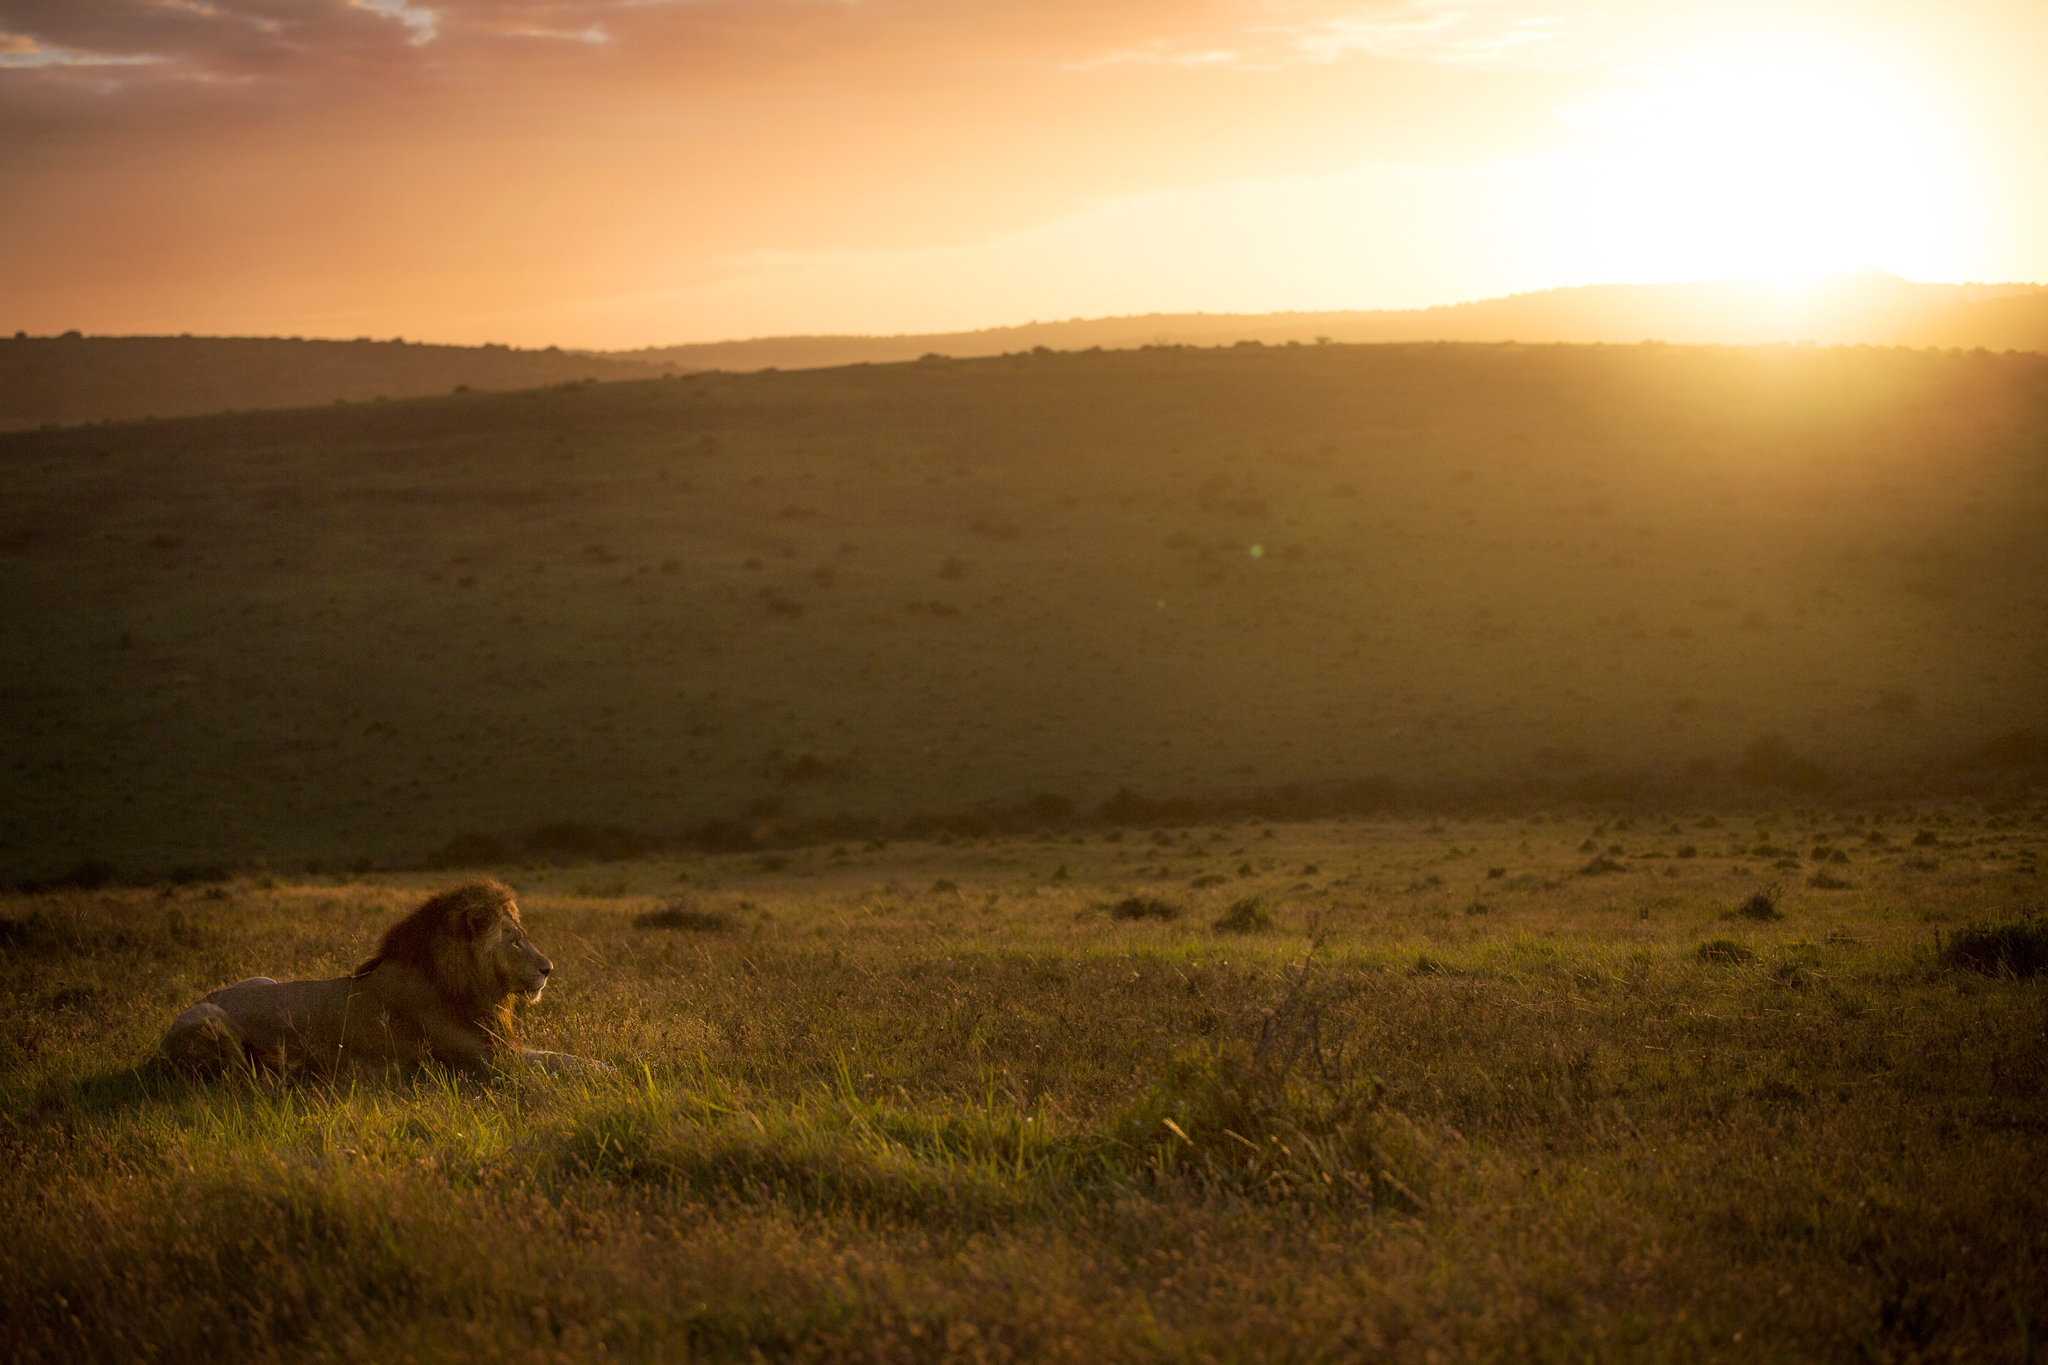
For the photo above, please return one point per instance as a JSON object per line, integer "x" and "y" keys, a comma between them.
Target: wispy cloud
{"x": 20, "y": 50}
{"x": 424, "y": 23}
{"x": 595, "y": 35}
{"x": 1455, "y": 34}
{"x": 1282, "y": 33}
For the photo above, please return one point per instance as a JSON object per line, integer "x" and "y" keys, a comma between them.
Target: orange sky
{"x": 626, "y": 172}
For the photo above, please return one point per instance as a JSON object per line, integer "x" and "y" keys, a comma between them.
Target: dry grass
{"x": 927, "y": 1103}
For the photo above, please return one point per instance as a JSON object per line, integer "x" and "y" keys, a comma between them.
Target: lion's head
{"x": 470, "y": 945}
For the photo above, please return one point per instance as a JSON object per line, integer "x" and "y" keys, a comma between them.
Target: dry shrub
{"x": 684, "y": 915}
{"x": 1144, "y": 907}
{"x": 1762, "y": 905}
{"x": 2019, "y": 950}
{"x": 1247, "y": 916}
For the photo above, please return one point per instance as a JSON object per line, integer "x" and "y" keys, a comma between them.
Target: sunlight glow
{"x": 1782, "y": 165}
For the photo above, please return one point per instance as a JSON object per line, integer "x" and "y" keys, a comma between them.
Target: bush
{"x": 1247, "y": 916}
{"x": 1763, "y": 905}
{"x": 1144, "y": 907}
{"x": 681, "y": 915}
{"x": 2019, "y": 950}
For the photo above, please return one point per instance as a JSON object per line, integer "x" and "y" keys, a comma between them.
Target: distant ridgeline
{"x": 1873, "y": 309}
{"x": 72, "y": 378}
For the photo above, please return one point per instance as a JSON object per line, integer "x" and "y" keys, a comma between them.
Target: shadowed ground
{"x": 1460, "y": 572}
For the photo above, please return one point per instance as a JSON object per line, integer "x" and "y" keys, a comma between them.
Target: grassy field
{"x": 1459, "y": 576}
{"x": 1539, "y": 1087}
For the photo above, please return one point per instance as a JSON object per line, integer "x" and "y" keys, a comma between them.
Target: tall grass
{"x": 872, "y": 1125}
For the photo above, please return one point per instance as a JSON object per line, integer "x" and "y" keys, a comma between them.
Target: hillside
{"x": 1873, "y": 309}
{"x": 73, "y": 379}
{"x": 1449, "y": 573}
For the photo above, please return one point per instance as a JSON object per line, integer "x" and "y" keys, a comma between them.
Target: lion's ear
{"x": 478, "y": 917}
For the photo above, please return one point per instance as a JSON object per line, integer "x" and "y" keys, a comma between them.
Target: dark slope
{"x": 74, "y": 379}
{"x": 1534, "y": 571}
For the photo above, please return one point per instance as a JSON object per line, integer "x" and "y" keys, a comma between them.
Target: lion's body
{"x": 439, "y": 988}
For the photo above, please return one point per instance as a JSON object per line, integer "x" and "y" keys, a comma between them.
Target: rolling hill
{"x": 72, "y": 379}
{"x": 1872, "y": 309}
{"x": 1450, "y": 574}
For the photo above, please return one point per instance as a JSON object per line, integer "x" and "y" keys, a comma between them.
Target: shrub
{"x": 682, "y": 915}
{"x": 1762, "y": 905}
{"x": 2000, "y": 950}
{"x": 1144, "y": 907}
{"x": 1246, "y": 916}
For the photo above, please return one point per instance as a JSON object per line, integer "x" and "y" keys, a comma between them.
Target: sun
{"x": 1772, "y": 165}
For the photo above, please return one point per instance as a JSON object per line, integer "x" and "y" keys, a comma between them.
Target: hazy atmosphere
{"x": 896, "y": 681}
{"x": 607, "y": 174}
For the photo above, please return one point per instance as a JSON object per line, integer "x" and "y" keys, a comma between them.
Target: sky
{"x": 620, "y": 173}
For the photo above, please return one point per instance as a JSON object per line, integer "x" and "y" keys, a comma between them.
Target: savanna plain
{"x": 1280, "y": 853}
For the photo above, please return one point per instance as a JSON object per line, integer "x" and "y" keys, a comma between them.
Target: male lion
{"x": 439, "y": 987}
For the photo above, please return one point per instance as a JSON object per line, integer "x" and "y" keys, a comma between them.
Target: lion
{"x": 439, "y": 988}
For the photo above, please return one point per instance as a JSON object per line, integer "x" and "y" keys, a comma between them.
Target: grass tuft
{"x": 1725, "y": 950}
{"x": 1292, "y": 1115}
{"x": 1762, "y": 905}
{"x": 1247, "y": 916}
{"x": 681, "y": 915}
{"x": 1144, "y": 907}
{"x": 2019, "y": 950}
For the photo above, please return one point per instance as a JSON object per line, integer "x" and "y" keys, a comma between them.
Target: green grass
{"x": 925, "y": 1103}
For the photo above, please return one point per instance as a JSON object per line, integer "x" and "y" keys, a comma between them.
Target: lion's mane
{"x": 447, "y": 941}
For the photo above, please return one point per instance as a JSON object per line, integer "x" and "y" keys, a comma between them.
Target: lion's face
{"x": 522, "y": 967}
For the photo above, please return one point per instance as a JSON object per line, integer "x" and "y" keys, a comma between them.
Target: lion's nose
{"x": 546, "y": 967}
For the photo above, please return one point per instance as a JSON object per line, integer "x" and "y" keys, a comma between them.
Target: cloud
{"x": 259, "y": 40}
{"x": 424, "y": 23}
{"x": 21, "y": 50}
{"x": 1287, "y": 33}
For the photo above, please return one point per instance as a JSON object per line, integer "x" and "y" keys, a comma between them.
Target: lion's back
{"x": 285, "y": 1026}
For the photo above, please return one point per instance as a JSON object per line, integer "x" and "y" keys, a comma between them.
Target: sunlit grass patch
{"x": 874, "y": 1112}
